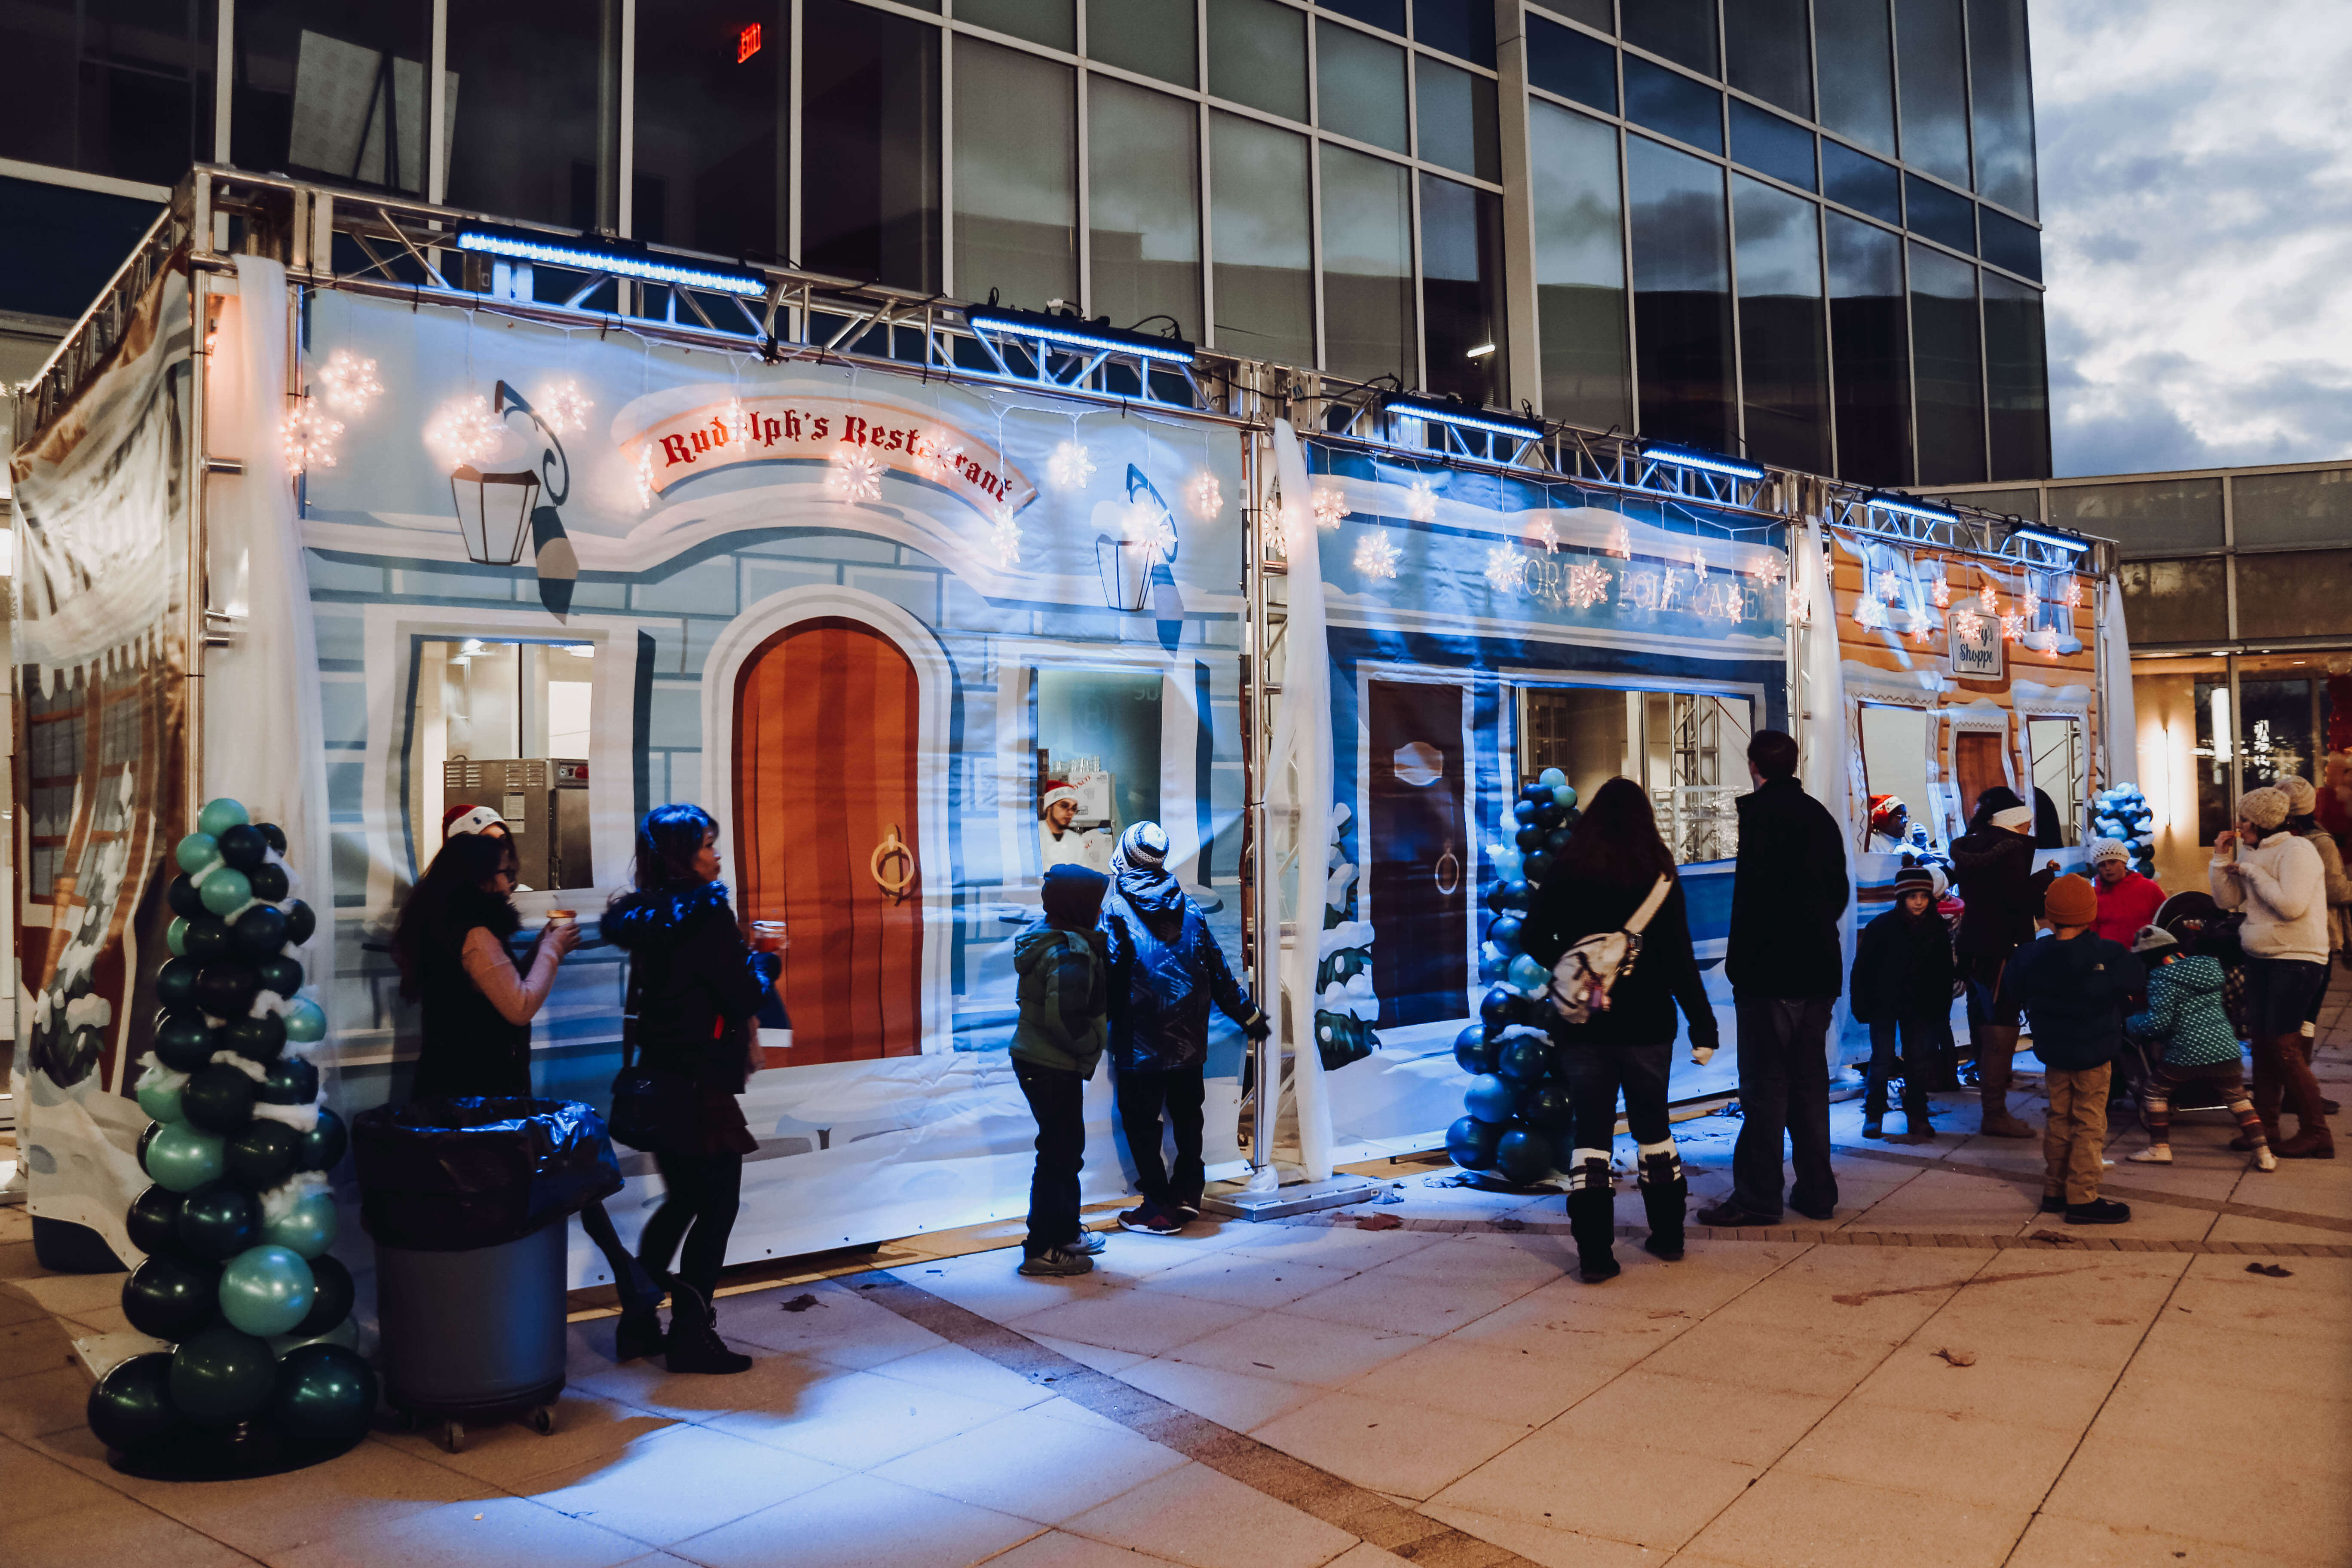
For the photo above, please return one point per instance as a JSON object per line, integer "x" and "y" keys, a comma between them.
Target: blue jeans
{"x": 1784, "y": 1091}
{"x": 1914, "y": 1044}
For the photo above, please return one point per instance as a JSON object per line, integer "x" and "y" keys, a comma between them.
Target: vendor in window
{"x": 463, "y": 818}
{"x": 1890, "y": 826}
{"x": 1059, "y": 841}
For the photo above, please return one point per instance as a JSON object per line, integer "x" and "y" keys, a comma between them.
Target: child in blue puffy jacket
{"x": 2185, "y": 1016}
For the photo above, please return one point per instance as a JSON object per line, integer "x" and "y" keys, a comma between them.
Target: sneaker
{"x": 1151, "y": 1219}
{"x": 2054, "y": 1202}
{"x": 1058, "y": 1263}
{"x": 1187, "y": 1209}
{"x": 2154, "y": 1154}
{"x": 1088, "y": 1242}
{"x": 2264, "y": 1160}
{"x": 2098, "y": 1211}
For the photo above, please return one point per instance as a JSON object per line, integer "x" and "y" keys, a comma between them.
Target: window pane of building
{"x": 1053, "y": 23}
{"x": 1861, "y": 182}
{"x": 1571, "y": 64}
{"x": 92, "y": 232}
{"x": 2001, "y": 83}
{"x": 1464, "y": 28}
{"x": 1388, "y": 16}
{"x": 2017, "y": 379}
{"x": 1600, "y": 13}
{"x": 1153, "y": 37}
{"x": 1360, "y": 87}
{"x": 712, "y": 134}
{"x": 2309, "y": 508}
{"x": 1462, "y": 291}
{"x": 1261, "y": 224}
{"x": 537, "y": 129}
{"x": 1948, "y": 360}
{"x": 1942, "y": 216}
{"x": 870, "y": 164}
{"x": 1670, "y": 103}
{"x": 2174, "y": 601}
{"x": 109, "y": 86}
{"x": 1016, "y": 202}
{"x": 1682, "y": 295}
{"x": 1257, "y": 55}
{"x": 1681, "y": 30}
{"x": 1870, "y": 353}
{"x": 2147, "y": 516}
{"x": 2293, "y": 593}
{"x": 1579, "y": 267}
{"x": 1934, "y": 95}
{"x": 301, "y": 64}
{"x": 1457, "y": 110}
{"x": 1783, "y": 355}
{"x": 1144, "y": 190}
{"x": 1766, "y": 52}
{"x": 1772, "y": 145}
{"x": 1855, "y": 50}
{"x": 1367, "y": 268}
{"x": 2011, "y": 244}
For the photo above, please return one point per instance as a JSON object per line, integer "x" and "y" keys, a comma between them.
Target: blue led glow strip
{"x": 1911, "y": 508}
{"x": 2056, "y": 541}
{"x": 1677, "y": 457}
{"x": 1143, "y": 348}
{"x": 618, "y": 263}
{"x": 1467, "y": 421}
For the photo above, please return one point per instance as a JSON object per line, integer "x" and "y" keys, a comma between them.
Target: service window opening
{"x": 1097, "y": 762}
{"x": 1687, "y": 749}
{"x": 507, "y": 725}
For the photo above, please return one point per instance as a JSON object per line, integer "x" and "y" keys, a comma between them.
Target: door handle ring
{"x": 893, "y": 847}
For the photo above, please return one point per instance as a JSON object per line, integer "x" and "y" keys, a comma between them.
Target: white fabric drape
{"x": 2122, "y": 713}
{"x": 1822, "y": 769}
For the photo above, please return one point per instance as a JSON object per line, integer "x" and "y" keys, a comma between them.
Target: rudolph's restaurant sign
{"x": 857, "y": 439}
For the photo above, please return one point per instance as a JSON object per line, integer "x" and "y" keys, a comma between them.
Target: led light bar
{"x": 1079, "y": 333}
{"x": 1465, "y": 417}
{"x": 630, "y": 261}
{"x": 2051, "y": 537}
{"x": 1907, "y": 507}
{"x": 1705, "y": 462}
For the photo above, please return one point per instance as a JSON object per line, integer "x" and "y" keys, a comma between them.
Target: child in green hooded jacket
{"x": 1063, "y": 993}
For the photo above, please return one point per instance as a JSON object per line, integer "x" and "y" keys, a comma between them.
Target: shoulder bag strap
{"x": 1649, "y": 906}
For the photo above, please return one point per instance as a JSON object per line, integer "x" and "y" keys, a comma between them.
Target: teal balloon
{"x": 223, "y": 1374}
{"x": 324, "y": 1145}
{"x": 325, "y": 1397}
{"x": 132, "y": 1405}
{"x": 175, "y": 936}
{"x": 195, "y": 852}
{"x": 183, "y": 1158}
{"x": 221, "y": 815}
{"x": 266, "y": 1290}
{"x": 1527, "y": 973}
{"x": 161, "y": 1101}
{"x": 308, "y": 1229}
{"x": 1564, "y": 794}
{"x": 1551, "y": 778}
{"x": 227, "y": 891}
{"x": 345, "y": 1333}
{"x": 305, "y": 1020}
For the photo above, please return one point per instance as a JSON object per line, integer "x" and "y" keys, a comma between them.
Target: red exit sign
{"x": 747, "y": 43}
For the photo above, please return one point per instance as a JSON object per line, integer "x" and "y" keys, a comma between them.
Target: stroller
{"x": 2200, "y": 926}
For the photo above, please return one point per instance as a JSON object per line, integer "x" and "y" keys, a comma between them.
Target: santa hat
{"x": 463, "y": 818}
{"x": 1057, "y": 791}
{"x": 1883, "y": 809}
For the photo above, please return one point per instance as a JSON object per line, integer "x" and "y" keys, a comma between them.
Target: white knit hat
{"x": 2109, "y": 849}
{"x": 2301, "y": 798}
{"x": 2265, "y": 808}
{"x": 2016, "y": 818}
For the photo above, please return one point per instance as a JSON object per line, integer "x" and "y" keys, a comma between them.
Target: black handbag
{"x": 652, "y": 1107}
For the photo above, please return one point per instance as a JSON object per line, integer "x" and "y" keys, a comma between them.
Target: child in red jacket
{"x": 2127, "y": 901}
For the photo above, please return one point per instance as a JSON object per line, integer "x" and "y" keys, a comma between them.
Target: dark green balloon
{"x": 325, "y": 1397}
{"x": 183, "y": 1041}
{"x": 272, "y": 834}
{"x": 132, "y": 1405}
{"x": 280, "y": 974}
{"x": 227, "y": 987}
{"x": 255, "y": 1039}
{"x": 219, "y": 1222}
{"x": 153, "y": 1220}
{"x": 292, "y": 1080}
{"x": 260, "y": 931}
{"x": 263, "y": 1154}
{"x": 300, "y": 921}
{"x": 171, "y": 1297}
{"x": 331, "y": 1296}
{"x": 218, "y": 1100}
{"x": 145, "y": 1139}
{"x": 183, "y": 896}
{"x": 268, "y": 882}
{"x": 175, "y": 983}
{"x": 324, "y": 1145}
{"x": 243, "y": 847}
{"x": 221, "y": 1376}
{"x": 205, "y": 938}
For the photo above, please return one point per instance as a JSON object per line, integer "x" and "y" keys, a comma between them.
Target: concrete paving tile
{"x": 991, "y": 1285}
{"x": 2258, "y": 1500}
{"x": 1597, "y": 1482}
{"x": 843, "y": 1327}
{"x": 1406, "y": 1450}
{"x": 15, "y": 1307}
{"x": 1144, "y": 1321}
{"x": 2178, "y": 1348}
{"x": 1335, "y": 1246}
{"x": 860, "y": 1522}
{"x": 38, "y": 1485}
{"x": 2313, "y": 1429}
{"x": 489, "y": 1530}
{"x": 1542, "y": 1544}
{"x": 1855, "y": 1292}
{"x": 679, "y": 1481}
{"x": 1060, "y": 1549}
{"x": 1510, "y": 1384}
{"x": 36, "y": 1345}
{"x": 39, "y": 1403}
{"x": 1298, "y": 1349}
{"x": 956, "y": 1369}
{"x": 2052, "y": 1540}
{"x": 1505, "y": 1261}
{"x": 1822, "y": 1364}
{"x": 2237, "y": 1228}
{"x": 775, "y": 1381}
{"x": 1203, "y": 1518}
{"x": 2064, "y": 1397}
{"x": 2256, "y": 1303}
{"x": 589, "y": 1432}
{"x": 1746, "y": 1426}
{"x": 1229, "y": 1398}
{"x": 1364, "y": 1555}
{"x": 1790, "y": 1520}
{"x": 1946, "y": 1454}
{"x": 1100, "y": 1357}
{"x": 1036, "y": 1468}
{"x": 1407, "y": 1304}
{"x": 859, "y": 1419}
{"x": 109, "y": 1530}
{"x": 1246, "y": 1279}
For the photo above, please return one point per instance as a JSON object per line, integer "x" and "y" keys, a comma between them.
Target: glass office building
{"x": 1805, "y": 230}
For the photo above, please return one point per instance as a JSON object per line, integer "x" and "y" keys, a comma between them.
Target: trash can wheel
{"x": 542, "y": 1420}
{"x": 453, "y": 1435}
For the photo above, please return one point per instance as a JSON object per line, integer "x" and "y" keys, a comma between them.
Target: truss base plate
{"x": 1284, "y": 1202}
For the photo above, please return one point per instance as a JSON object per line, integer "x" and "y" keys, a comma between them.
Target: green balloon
{"x": 219, "y": 1223}
{"x": 325, "y": 1397}
{"x": 222, "y": 1376}
{"x": 171, "y": 1298}
{"x": 161, "y": 1101}
{"x": 219, "y": 1099}
{"x": 266, "y": 1290}
{"x": 132, "y": 1405}
{"x": 263, "y": 1154}
{"x": 345, "y": 1333}
{"x": 324, "y": 1145}
{"x": 183, "y": 1158}
{"x": 308, "y": 1229}
{"x": 227, "y": 891}
{"x": 332, "y": 1304}
{"x": 305, "y": 1020}
{"x": 196, "y": 851}
{"x": 175, "y": 936}
{"x": 221, "y": 815}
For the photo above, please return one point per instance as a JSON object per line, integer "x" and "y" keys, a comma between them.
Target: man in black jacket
{"x": 1785, "y": 964}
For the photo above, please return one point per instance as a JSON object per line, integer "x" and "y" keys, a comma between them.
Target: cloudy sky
{"x": 2197, "y": 193}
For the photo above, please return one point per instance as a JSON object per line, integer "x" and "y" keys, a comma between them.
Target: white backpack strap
{"x": 1649, "y": 906}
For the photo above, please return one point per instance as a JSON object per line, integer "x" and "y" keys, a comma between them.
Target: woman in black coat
{"x": 1612, "y": 861}
{"x": 2001, "y": 896}
{"x": 695, "y": 988}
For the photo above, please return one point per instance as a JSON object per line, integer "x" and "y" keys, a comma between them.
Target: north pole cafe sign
{"x": 860, "y": 439}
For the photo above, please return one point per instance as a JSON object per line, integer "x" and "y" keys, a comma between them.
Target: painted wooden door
{"x": 1417, "y": 851}
{"x": 826, "y": 735}
{"x": 1977, "y": 759}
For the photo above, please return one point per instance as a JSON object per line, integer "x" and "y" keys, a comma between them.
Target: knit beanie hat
{"x": 2302, "y": 800}
{"x": 464, "y": 818}
{"x": 2017, "y": 819}
{"x": 1914, "y": 880}
{"x": 2265, "y": 808}
{"x": 2070, "y": 901}
{"x": 2109, "y": 849}
{"x": 1073, "y": 896}
{"x": 1142, "y": 847}
{"x": 2154, "y": 939}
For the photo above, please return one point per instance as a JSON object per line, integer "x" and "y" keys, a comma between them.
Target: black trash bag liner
{"x": 449, "y": 1175}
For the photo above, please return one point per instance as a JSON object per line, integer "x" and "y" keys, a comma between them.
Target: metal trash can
{"x": 466, "y": 1201}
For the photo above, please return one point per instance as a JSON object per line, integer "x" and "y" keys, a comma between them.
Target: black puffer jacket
{"x": 1902, "y": 968}
{"x": 1642, "y": 1005}
{"x": 698, "y": 984}
{"x": 1788, "y": 894}
{"x": 1992, "y": 870}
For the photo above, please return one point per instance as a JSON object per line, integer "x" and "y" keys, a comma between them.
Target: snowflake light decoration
{"x": 1420, "y": 501}
{"x": 1869, "y": 614}
{"x": 1376, "y": 554}
{"x": 1621, "y": 542}
{"x": 645, "y": 475}
{"x": 856, "y": 478}
{"x": 1543, "y": 533}
{"x": 565, "y": 407}
{"x": 736, "y": 422}
{"x": 936, "y": 462}
{"x": 1507, "y": 568}
{"x": 1988, "y": 600}
{"x": 1330, "y": 506}
{"x": 1919, "y": 635}
{"x": 349, "y": 382}
{"x": 1005, "y": 535}
{"x": 310, "y": 436}
{"x": 1208, "y": 497}
{"x": 1070, "y": 467}
{"x": 1942, "y": 593}
{"x": 1768, "y": 572}
{"x": 1152, "y": 528}
{"x": 2073, "y": 593}
{"x": 1889, "y": 586}
{"x": 2012, "y": 628}
{"x": 465, "y": 431}
{"x": 1966, "y": 624}
{"x": 1588, "y": 584}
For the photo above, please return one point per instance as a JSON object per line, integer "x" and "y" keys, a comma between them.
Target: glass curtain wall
{"x": 536, "y": 132}
{"x": 107, "y": 86}
{"x": 1950, "y": 368}
{"x": 1263, "y": 265}
{"x": 1855, "y": 47}
{"x": 1368, "y": 324}
{"x": 334, "y": 89}
{"x": 1143, "y": 158}
{"x": 1682, "y": 296}
{"x": 1870, "y": 352}
{"x": 1765, "y": 52}
{"x": 1016, "y": 184}
{"x": 1579, "y": 267}
{"x": 2000, "y": 92}
{"x": 1934, "y": 79}
{"x": 869, "y": 146}
{"x": 1461, "y": 308}
{"x": 714, "y": 127}
{"x": 2017, "y": 379}
{"x": 1784, "y": 357}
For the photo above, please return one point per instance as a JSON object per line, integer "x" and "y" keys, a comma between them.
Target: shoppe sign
{"x": 1977, "y": 650}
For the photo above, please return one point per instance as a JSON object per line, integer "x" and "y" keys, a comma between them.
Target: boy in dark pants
{"x": 1903, "y": 989}
{"x": 1063, "y": 991}
{"x": 2073, "y": 985}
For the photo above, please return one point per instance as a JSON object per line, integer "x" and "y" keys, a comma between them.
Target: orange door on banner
{"x": 825, "y": 737}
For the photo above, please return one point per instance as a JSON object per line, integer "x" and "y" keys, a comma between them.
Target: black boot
{"x": 640, "y": 1333}
{"x": 693, "y": 1344}
{"x": 1665, "y": 1195}
{"x": 1592, "y": 1219}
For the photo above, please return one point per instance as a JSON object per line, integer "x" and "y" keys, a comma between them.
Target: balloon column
{"x": 2123, "y": 813}
{"x": 238, "y": 1222}
{"x": 1516, "y": 1107}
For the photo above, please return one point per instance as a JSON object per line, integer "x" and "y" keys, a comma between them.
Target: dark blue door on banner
{"x": 1419, "y": 850}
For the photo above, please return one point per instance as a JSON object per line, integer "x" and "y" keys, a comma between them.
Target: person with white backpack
{"x": 1611, "y": 924}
